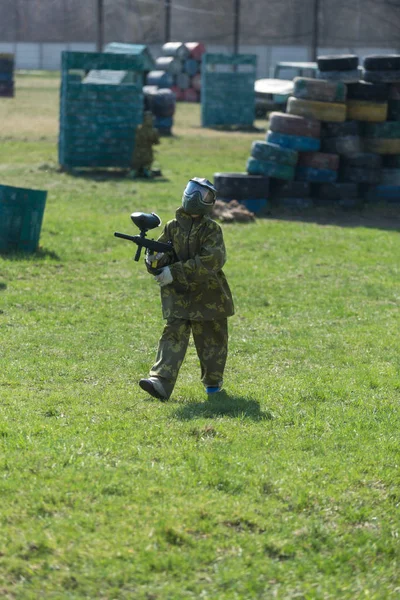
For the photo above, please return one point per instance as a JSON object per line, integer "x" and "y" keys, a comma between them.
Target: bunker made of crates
{"x": 227, "y": 88}
{"x": 99, "y": 114}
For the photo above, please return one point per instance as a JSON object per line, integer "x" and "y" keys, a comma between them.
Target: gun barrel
{"x": 125, "y": 236}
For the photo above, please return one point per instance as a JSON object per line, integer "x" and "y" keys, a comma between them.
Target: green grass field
{"x": 287, "y": 486}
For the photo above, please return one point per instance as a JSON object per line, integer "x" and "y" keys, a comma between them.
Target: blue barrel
{"x": 191, "y": 66}
{"x": 21, "y": 216}
{"x": 163, "y": 122}
{"x": 161, "y": 79}
{"x": 162, "y": 102}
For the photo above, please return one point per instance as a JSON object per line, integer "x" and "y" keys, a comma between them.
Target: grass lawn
{"x": 286, "y": 486}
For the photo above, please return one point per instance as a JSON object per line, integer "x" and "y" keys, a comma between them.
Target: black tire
{"x": 384, "y": 62}
{"x": 340, "y": 62}
{"x": 393, "y": 110}
{"x": 344, "y": 145}
{"x": 241, "y": 185}
{"x": 336, "y": 191}
{"x": 359, "y": 175}
{"x": 289, "y": 189}
{"x": 375, "y": 92}
{"x": 392, "y": 76}
{"x": 330, "y": 129}
{"x": 366, "y": 160}
{"x": 391, "y": 161}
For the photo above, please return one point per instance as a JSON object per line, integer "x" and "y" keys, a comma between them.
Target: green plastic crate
{"x": 21, "y": 216}
{"x": 227, "y": 89}
{"x": 98, "y": 121}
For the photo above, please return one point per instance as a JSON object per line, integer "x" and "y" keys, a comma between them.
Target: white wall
{"x": 47, "y": 56}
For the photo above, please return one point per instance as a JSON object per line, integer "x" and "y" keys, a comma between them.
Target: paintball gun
{"x": 145, "y": 221}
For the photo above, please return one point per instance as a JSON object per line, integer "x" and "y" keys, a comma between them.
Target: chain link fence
{"x": 341, "y": 25}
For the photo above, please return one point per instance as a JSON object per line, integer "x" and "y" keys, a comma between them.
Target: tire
{"x": 338, "y": 190}
{"x": 273, "y": 153}
{"x": 391, "y": 161}
{"x": 387, "y": 130}
{"x": 341, "y": 62}
{"x": 289, "y": 189}
{"x": 322, "y": 111}
{"x": 269, "y": 169}
{"x": 394, "y": 91}
{"x": 394, "y": 110}
{"x": 344, "y": 145}
{"x": 382, "y": 146}
{"x": 297, "y": 203}
{"x": 294, "y": 142}
{"x": 381, "y": 76}
{"x": 315, "y": 175}
{"x": 364, "y": 160}
{"x": 318, "y": 89}
{"x": 241, "y": 185}
{"x": 384, "y": 193}
{"x": 340, "y": 129}
{"x": 390, "y": 177}
{"x": 294, "y": 125}
{"x": 384, "y": 62}
{"x": 319, "y": 160}
{"x": 360, "y": 175}
{"x": 373, "y": 92}
{"x": 363, "y": 110}
{"x": 344, "y": 76}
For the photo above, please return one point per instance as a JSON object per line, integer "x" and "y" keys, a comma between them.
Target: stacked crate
{"x": 7, "y": 75}
{"x": 98, "y": 121}
{"x": 228, "y": 96}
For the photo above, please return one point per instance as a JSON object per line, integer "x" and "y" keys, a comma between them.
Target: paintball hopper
{"x": 145, "y": 221}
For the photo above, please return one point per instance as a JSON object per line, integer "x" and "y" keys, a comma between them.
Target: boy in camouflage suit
{"x": 195, "y": 294}
{"x": 143, "y": 156}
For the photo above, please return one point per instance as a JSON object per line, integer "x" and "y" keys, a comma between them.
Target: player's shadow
{"x": 223, "y": 404}
{"x": 40, "y": 253}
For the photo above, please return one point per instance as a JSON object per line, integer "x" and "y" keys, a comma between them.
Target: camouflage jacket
{"x": 199, "y": 291}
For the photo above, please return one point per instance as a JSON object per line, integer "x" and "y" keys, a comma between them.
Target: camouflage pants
{"x": 211, "y": 341}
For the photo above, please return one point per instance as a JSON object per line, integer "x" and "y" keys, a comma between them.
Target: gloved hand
{"x": 165, "y": 277}
{"x": 150, "y": 258}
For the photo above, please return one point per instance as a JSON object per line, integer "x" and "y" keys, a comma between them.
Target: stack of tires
{"x": 323, "y": 100}
{"x": 250, "y": 190}
{"x": 343, "y": 68}
{"x": 7, "y": 75}
{"x": 381, "y": 136}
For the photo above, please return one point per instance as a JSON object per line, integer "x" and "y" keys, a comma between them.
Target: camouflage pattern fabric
{"x": 211, "y": 341}
{"x": 146, "y": 137}
{"x": 199, "y": 291}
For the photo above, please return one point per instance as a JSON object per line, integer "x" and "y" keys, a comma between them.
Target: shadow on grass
{"x": 41, "y": 253}
{"x": 223, "y": 404}
{"x": 111, "y": 175}
{"x": 382, "y": 216}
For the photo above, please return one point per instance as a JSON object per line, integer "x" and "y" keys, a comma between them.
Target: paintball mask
{"x": 198, "y": 196}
